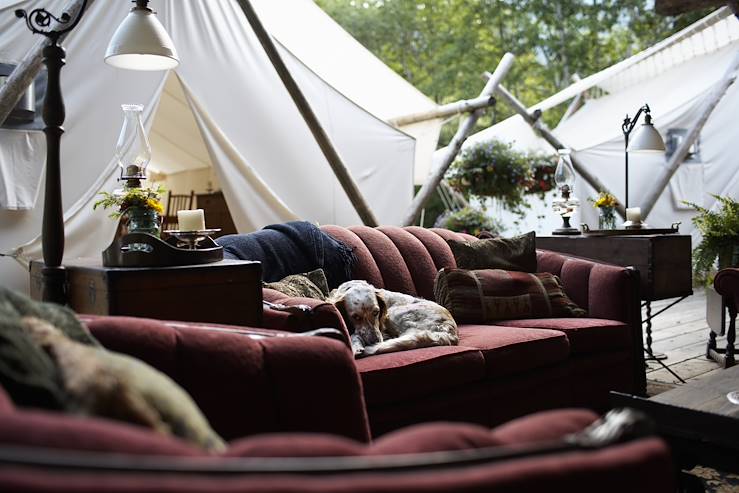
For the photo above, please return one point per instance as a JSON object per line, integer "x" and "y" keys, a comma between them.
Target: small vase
{"x": 606, "y": 218}
{"x": 141, "y": 220}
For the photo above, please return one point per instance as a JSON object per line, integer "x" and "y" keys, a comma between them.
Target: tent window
{"x": 674, "y": 137}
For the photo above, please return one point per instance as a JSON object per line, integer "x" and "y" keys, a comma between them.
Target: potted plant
{"x": 140, "y": 208}
{"x": 720, "y": 230}
{"x": 471, "y": 220}
{"x": 606, "y": 205}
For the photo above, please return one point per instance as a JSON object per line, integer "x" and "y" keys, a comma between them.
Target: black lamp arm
{"x": 39, "y": 20}
{"x": 629, "y": 124}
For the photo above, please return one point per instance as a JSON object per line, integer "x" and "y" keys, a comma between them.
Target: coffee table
{"x": 697, "y": 419}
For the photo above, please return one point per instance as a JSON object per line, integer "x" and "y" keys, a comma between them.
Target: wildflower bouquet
{"x": 122, "y": 200}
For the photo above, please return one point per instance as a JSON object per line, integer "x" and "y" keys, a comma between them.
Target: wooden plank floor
{"x": 681, "y": 332}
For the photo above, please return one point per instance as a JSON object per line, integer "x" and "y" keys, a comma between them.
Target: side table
{"x": 227, "y": 292}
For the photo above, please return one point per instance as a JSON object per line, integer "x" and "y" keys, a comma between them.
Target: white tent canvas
{"x": 222, "y": 117}
{"x": 675, "y": 77}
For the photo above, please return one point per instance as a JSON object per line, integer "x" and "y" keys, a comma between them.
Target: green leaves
{"x": 720, "y": 230}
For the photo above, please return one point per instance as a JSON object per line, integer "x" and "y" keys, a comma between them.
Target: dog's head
{"x": 363, "y": 308}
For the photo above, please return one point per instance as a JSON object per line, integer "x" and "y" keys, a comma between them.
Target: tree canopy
{"x": 444, "y": 46}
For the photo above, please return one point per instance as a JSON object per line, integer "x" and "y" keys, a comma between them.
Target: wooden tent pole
{"x": 444, "y": 111}
{"x": 679, "y": 155}
{"x": 29, "y": 66}
{"x": 464, "y": 130}
{"x": 547, "y": 135}
{"x": 322, "y": 138}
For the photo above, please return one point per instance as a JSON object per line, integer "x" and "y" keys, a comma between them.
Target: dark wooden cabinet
{"x": 664, "y": 261}
{"x": 216, "y": 212}
{"x": 228, "y": 292}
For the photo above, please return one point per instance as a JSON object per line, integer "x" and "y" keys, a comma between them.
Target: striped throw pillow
{"x": 487, "y": 295}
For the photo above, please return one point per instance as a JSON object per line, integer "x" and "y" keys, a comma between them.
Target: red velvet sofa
{"x": 292, "y": 409}
{"x": 497, "y": 372}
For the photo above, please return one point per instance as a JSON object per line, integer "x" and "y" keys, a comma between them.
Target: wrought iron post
{"x": 52, "y": 229}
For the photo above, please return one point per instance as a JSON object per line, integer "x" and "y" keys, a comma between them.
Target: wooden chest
{"x": 664, "y": 261}
{"x": 228, "y": 292}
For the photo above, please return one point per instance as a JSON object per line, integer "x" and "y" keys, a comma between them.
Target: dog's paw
{"x": 370, "y": 350}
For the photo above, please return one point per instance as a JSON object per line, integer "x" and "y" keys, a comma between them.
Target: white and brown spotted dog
{"x": 385, "y": 321}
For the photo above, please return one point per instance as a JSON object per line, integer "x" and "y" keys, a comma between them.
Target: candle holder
{"x": 191, "y": 239}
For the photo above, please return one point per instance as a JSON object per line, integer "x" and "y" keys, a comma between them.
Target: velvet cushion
{"x": 517, "y": 253}
{"x": 479, "y": 296}
{"x": 511, "y": 351}
{"x": 114, "y": 385}
{"x": 311, "y": 284}
{"x": 433, "y": 437}
{"x": 544, "y": 426}
{"x": 400, "y": 376}
{"x": 295, "y": 445}
{"x": 586, "y": 335}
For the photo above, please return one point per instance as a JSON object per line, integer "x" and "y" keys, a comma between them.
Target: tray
{"x": 673, "y": 229}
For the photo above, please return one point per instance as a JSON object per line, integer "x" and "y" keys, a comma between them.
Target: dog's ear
{"x": 383, "y": 308}
{"x": 336, "y": 298}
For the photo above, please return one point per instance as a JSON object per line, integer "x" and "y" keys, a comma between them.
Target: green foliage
{"x": 494, "y": 169}
{"x": 471, "y": 220}
{"x": 720, "y": 230}
{"x": 145, "y": 198}
{"x": 444, "y": 46}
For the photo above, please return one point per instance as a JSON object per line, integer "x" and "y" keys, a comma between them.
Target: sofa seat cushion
{"x": 511, "y": 350}
{"x": 295, "y": 445}
{"x": 586, "y": 335}
{"x": 404, "y": 375}
{"x": 433, "y": 437}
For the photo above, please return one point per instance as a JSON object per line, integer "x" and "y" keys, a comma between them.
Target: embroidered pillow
{"x": 312, "y": 284}
{"x": 517, "y": 253}
{"x": 480, "y": 296}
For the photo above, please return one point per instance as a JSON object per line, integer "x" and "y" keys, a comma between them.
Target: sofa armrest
{"x": 320, "y": 314}
{"x": 606, "y": 291}
{"x": 248, "y": 380}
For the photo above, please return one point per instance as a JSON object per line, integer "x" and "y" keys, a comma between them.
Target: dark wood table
{"x": 228, "y": 292}
{"x": 664, "y": 262}
{"x": 697, "y": 419}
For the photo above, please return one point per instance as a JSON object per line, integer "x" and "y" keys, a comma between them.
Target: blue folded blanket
{"x": 292, "y": 248}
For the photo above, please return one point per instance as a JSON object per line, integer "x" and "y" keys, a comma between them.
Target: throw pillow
{"x": 26, "y": 371}
{"x": 517, "y": 253}
{"x": 112, "y": 385}
{"x": 480, "y": 296}
{"x": 311, "y": 284}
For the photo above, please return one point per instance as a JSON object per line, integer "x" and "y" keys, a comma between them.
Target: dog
{"x": 386, "y": 321}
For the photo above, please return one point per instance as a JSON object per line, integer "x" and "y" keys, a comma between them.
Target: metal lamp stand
{"x": 52, "y": 229}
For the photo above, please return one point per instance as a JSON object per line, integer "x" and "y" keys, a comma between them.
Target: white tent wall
{"x": 260, "y": 149}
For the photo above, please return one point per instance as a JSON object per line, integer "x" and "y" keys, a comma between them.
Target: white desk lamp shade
{"x": 646, "y": 139}
{"x": 141, "y": 43}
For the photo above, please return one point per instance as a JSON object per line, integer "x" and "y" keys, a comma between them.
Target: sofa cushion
{"x": 295, "y": 445}
{"x": 517, "y": 253}
{"x": 586, "y": 335}
{"x": 433, "y": 437}
{"x": 487, "y": 295}
{"x": 509, "y": 350}
{"x": 407, "y": 374}
{"x": 543, "y": 426}
{"x": 63, "y": 431}
{"x": 6, "y": 403}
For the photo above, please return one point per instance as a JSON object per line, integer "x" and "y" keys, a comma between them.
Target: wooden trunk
{"x": 227, "y": 292}
{"x": 664, "y": 261}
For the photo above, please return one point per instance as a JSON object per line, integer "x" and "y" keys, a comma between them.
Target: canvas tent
{"x": 675, "y": 77}
{"x": 223, "y": 117}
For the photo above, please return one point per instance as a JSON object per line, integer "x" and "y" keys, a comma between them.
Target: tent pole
{"x": 464, "y": 130}
{"x": 444, "y": 111}
{"x": 29, "y": 66}
{"x": 322, "y": 138}
{"x": 679, "y": 155}
{"x": 575, "y": 104}
{"x": 547, "y": 135}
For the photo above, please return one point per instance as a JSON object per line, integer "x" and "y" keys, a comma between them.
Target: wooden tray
{"x": 673, "y": 229}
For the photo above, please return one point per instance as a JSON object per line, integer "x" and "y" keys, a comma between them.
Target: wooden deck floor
{"x": 681, "y": 332}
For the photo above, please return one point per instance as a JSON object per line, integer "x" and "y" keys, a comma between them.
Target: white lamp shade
{"x": 141, "y": 43}
{"x": 646, "y": 139}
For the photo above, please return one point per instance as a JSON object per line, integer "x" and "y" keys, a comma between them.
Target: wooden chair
{"x": 176, "y": 203}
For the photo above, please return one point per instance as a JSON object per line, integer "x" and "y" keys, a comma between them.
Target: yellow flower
{"x": 155, "y": 205}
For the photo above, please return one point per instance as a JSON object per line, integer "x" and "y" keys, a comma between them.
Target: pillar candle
{"x": 633, "y": 214}
{"x": 191, "y": 220}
